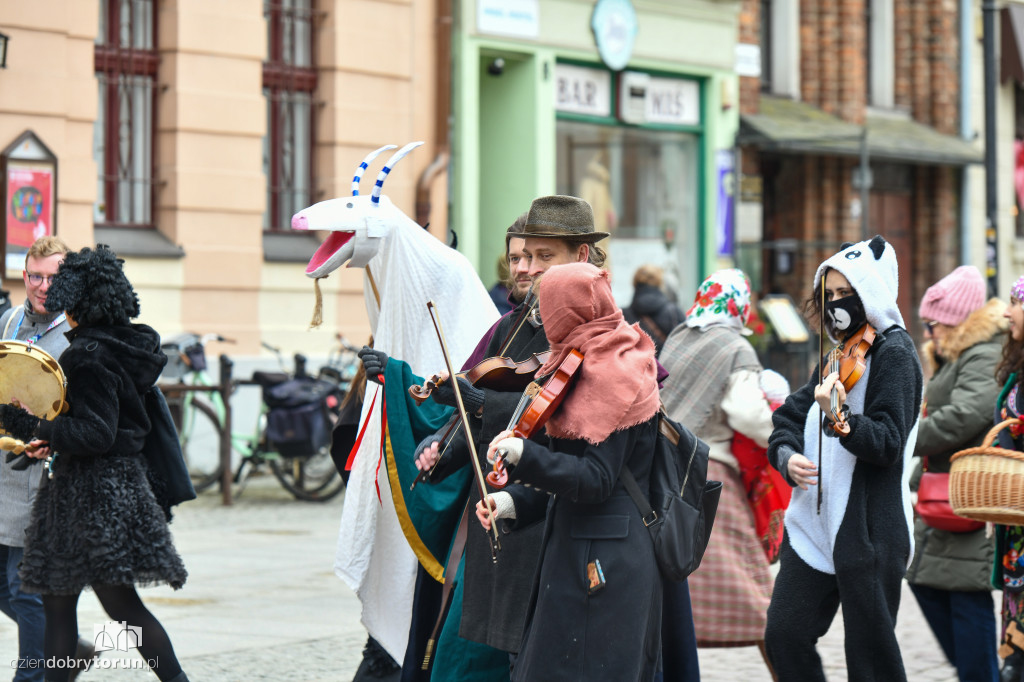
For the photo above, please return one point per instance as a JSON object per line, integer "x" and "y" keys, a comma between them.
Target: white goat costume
{"x": 410, "y": 267}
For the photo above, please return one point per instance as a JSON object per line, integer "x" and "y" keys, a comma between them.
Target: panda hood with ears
{"x": 871, "y": 269}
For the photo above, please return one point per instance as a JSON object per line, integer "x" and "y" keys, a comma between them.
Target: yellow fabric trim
{"x": 412, "y": 536}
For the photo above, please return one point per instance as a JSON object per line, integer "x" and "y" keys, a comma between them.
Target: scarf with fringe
{"x": 616, "y": 386}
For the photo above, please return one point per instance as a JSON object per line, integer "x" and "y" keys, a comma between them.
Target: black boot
{"x": 1013, "y": 667}
{"x": 377, "y": 664}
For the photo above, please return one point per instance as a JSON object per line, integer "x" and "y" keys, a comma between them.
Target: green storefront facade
{"x": 537, "y": 110}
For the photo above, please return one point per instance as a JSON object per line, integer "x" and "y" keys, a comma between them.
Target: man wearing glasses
{"x": 30, "y": 323}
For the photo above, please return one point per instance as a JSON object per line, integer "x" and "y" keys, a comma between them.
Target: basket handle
{"x": 993, "y": 433}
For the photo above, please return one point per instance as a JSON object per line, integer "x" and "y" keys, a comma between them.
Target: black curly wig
{"x": 91, "y": 286}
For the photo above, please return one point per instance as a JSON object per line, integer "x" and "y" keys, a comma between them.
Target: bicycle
{"x": 308, "y": 476}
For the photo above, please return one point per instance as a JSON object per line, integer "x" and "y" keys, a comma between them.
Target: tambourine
{"x": 32, "y": 376}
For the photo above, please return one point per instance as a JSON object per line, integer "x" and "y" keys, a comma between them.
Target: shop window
{"x": 126, "y": 62}
{"x": 289, "y": 83}
{"x": 642, "y": 185}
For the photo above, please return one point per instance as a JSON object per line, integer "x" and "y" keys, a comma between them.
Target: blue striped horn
{"x": 366, "y": 162}
{"x": 395, "y": 158}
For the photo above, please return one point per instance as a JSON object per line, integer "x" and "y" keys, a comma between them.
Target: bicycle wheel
{"x": 309, "y": 478}
{"x": 200, "y": 443}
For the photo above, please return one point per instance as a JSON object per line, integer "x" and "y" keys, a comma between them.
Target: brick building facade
{"x": 888, "y": 68}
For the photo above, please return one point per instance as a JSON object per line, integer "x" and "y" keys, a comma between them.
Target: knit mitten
{"x": 472, "y": 397}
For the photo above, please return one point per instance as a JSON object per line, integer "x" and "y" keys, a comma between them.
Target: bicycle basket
{"x": 196, "y": 356}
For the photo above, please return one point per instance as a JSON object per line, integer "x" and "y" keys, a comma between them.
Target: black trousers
{"x": 804, "y": 604}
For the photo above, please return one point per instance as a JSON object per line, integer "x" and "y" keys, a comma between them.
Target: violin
{"x": 497, "y": 373}
{"x": 849, "y": 360}
{"x": 529, "y": 419}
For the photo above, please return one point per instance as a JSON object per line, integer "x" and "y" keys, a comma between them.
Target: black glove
{"x": 424, "y": 444}
{"x": 472, "y": 397}
{"x": 374, "y": 362}
{"x": 18, "y": 422}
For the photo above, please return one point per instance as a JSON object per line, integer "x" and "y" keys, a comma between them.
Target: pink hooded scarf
{"x": 616, "y": 386}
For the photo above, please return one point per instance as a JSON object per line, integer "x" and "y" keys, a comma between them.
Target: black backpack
{"x": 301, "y": 415}
{"x": 684, "y": 501}
{"x": 166, "y": 469}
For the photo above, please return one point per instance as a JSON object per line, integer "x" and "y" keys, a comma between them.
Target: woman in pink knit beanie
{"x": 950, "y": 300}
{"x": 951, "y": 571}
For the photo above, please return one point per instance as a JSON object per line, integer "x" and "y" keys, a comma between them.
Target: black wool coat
{"x": 496, "y": 595}
{"x": 614, "y": 633}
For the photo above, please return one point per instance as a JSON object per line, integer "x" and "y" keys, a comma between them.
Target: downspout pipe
{"x": 966, "y": 24}
{"x": 442, "y": 111}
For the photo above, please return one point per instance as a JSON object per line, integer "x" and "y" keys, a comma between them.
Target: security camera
{"x": 496, "y": 67}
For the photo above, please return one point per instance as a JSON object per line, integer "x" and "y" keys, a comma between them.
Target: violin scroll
{"x": 421, "y": 393}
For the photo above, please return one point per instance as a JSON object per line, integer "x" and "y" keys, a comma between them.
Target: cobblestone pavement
{"x": 262, "y": 603}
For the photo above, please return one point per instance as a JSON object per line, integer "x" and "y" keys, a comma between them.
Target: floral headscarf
{"x": 723, "y": 299}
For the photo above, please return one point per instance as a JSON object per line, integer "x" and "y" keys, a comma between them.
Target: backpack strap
{"x": 650, "y": 517}
{"x": 647, "y": 512}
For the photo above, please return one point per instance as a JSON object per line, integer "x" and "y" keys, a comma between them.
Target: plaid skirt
{"x": 733, "y": 586}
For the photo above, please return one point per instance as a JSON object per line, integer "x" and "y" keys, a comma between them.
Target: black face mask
{"x": 845, "y": 315}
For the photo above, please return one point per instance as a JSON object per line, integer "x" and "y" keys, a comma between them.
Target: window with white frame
{"x": 780, "y": 47}
{"x": 879, "y": 47}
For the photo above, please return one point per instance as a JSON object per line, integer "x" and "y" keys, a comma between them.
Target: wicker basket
{"x": 986, "y": 483}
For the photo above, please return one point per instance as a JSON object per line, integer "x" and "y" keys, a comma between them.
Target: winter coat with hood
{"x": 958, "y": 405}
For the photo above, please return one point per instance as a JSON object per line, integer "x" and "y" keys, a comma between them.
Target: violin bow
{"x": 494, "y": 537}
{"x": 453, "y": 429}
{"x": 821, "y": 368}
{"x": 531, "y": 299}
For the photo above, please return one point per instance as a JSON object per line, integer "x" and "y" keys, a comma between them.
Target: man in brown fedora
{"x": 560, "y": 229}
{"x": 489, "y": 607}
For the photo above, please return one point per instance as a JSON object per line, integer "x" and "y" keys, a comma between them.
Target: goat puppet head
{"x": 357, "y": 224}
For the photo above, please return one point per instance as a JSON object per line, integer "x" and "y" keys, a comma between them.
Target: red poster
{"x": 29, "y": 205}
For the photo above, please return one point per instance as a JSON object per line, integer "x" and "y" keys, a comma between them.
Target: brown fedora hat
{"x": 560, "y": 217}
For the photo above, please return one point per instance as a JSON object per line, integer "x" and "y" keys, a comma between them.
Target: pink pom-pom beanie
{"x": 950, "y": 300}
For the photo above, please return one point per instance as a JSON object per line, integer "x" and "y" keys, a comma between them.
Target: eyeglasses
{"x": 930, "y": 327}
{"x": 35, "y": 280}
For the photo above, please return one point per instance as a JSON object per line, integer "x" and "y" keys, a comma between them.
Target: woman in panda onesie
{"x": 856, "y": 549}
